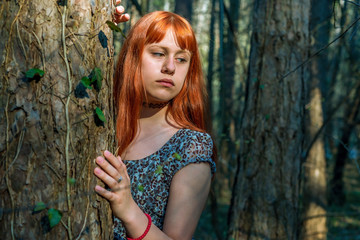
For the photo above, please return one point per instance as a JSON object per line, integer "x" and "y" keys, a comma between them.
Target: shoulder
{"x": 188, "y": 136}
{"x": 193, "y": 147}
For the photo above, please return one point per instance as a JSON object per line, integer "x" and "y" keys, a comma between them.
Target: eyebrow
{"x": 167, "y": 49}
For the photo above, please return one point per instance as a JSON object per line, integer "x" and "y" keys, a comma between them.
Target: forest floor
{"x": 343, "y": 221}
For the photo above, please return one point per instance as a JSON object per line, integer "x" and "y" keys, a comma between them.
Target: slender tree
{"x": 56, "y": 116}
{"x": 314, "y": 183}
{"x": 266, "y": 190}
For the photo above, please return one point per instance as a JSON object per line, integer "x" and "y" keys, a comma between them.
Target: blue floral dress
{"x": 151, "y": 176}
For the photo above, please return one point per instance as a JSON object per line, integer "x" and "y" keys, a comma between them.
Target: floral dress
{"x": 151, "y": 176}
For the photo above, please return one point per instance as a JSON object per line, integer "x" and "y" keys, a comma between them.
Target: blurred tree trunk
{"x": 184, "y": 8}
{"x": 351, "y": 54}
{"x": 210, "y": 70}
{"x": 337, "y": 188}
{"x": 265, "y": 195}
{"x": 314, "y": 186}
{"x": 49, "y": 132}
{"x": 227, "y": 93}
{"x": 334, "y": 72}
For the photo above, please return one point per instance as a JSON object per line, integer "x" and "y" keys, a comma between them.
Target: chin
{"x": 160, "y": 98}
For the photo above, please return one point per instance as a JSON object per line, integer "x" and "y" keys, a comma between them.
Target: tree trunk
{"x": 184, "y": 8}
{"x": 337, "y": 188}
{"x": 50, "y": 133}
{"x": 314, "y": 186}
{"x": 266, "y": 189}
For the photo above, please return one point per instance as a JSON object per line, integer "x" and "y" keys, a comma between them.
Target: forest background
{"x": 283, "y": 81}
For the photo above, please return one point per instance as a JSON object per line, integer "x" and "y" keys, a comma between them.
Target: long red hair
{"x": 188, "y": 108}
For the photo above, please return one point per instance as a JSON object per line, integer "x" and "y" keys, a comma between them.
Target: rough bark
{"x": 266, "y": 189}
{"x": 48, "y": 134}
{"x": 314, "y": 186}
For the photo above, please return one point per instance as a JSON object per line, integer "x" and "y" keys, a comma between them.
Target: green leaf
{"x": 267, "y": 116}
{"x": 54, "y": 216}
{"x": 39, "y": 207}
{"x": 159, "y": 169}
{"x": 100, "y": 114}
{"x": 177, "y": 156}
{"x": 262, "y": 86}
{"x": 72, "y": 181}
{"x": 86, "y": 82}
{"x": 115, "y": 28}
{"x": 141, "y": 188}
{"x": 96, "y": 77}
{"x": 32, "y": 73}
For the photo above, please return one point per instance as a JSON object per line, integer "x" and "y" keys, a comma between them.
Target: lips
{"x": 166, "y": 82}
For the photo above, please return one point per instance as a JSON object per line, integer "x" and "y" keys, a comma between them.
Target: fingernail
{"x": 99, "y": 159}
{"x": 106, "y": 153}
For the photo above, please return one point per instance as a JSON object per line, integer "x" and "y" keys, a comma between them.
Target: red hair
{"x": 188, "y": 108}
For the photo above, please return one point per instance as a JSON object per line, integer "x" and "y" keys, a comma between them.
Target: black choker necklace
{"x": 155, "y": 105}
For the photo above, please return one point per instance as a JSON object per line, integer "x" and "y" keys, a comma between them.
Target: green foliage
{"x": 39, "y": 207}
{"x": 54, "y": 216}
{"x": 72, "y": 181}
{"x": 34, "y": 74}
{"x": 96, "y": 78}
{"x": 248, "y": 141}
{"x": 115, "y": 28}
{"x": 86, "y": 82}
{"x": 100, "y": 114}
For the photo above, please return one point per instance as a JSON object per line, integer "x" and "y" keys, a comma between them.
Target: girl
{"x": 159, "y": 183}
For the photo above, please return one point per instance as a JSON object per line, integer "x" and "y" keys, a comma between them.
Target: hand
{"x": 114, "y": 174}
{"x": 119, "y": 15}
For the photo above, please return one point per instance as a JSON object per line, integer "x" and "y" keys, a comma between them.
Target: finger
{"x": 117, "y": 2}
{"x": 123, "y": 169}
{"x": 103, "y": 176}
{"x": 107, "y": 167}
{"x": 121, "y": 18}
{"x": 104, "y": 193}
{"x": 119, "y": 10}
{"x": 118, "y": 164}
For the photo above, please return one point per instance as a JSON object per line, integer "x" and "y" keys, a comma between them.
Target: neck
{"x": 151, "y": 115}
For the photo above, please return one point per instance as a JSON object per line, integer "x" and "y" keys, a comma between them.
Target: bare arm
{"x": 188, "y": 193}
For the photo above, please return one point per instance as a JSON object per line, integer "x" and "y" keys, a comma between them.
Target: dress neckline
{"x": 160, "y": 149}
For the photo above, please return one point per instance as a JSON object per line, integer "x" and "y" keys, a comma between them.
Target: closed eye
{"x": 158, "y": 54}
{"x": 181, "y": 60}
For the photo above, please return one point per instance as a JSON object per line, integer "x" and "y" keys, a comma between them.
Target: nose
{"x": 168, "y": 66}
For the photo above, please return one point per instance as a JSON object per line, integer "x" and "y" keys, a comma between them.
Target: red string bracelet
{"x": 146, "y": 230}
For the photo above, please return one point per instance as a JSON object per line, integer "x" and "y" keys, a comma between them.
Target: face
{"x": 164, "y": 67}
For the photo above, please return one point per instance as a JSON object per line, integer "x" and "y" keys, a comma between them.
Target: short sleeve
{"x": 195, "y": 147}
